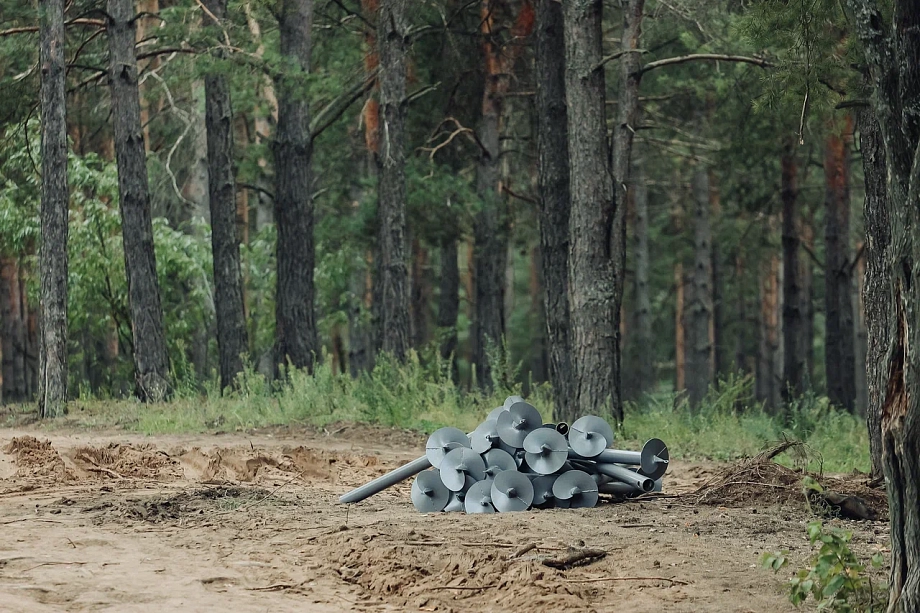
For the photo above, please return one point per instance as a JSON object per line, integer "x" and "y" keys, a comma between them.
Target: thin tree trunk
{"x": 151, "y": 362}
{"x": 769, "y": 367}
{"x": 538, "y": 348}
{"x": 807, "y": 294}
{"x": 13, "y": 323}
{"x": 225, "y": 244}
{"x": 838, "y": 337}
{"x": 52, "y": 397}
{"x": 449, "y": 303}
{"x": 793, "y": 321}
{"x": 718, "y": 290}
{"x": 261, "y": 123}
{"x": 861, "y": 339}
{"x": 627, "y": 124}
{"x": 392, "y": 40}
{"x": 643, "y": 339}
{"x": 877, "y": 287}
{"x": 420, "y": 295}
{"x": 592, "y": 266}
{"x": 680, "y": 331}
{"x": 296, "y": 340}
{"x": 699, "y": 307}
{"x": 741, "y": 354}
{"x": 553, "y": 190}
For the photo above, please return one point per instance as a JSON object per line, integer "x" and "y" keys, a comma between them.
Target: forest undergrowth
{"x": 422, "y": 397}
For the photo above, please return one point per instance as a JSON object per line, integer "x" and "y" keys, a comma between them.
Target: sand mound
{"x": 37, "y": 459}
{"x": 116, "y": 461}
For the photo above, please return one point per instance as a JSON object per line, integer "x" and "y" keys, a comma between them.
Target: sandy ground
{"x": 118, "y": 522}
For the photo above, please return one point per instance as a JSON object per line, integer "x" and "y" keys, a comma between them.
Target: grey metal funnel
{"x": 590, "y": 435}
{"x": 460, "y": 464}
{"x": 428, "y": 492}
{"x": 455, "y": 502}
{"x": 494, "y": 413}
{"x": 511, "y": 491}
{"x": 517, "y": 422}
{"x": 511, "y": 400}
{"x": 498, "y": 460}
{"x": 577, "y": 487}
{"x": 485, "y": 436}
{"x": 545, "y": 451}
{"x": 543, "y": 490}
{"x": 442, "y": 441}
{"x": 479, "y": 498}
{"x": 653, "y": 460}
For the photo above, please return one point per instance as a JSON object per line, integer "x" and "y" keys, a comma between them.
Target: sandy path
{"x": 117, "y": 522}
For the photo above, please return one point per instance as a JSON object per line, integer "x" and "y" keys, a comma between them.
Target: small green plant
{"x": 835, "y": 578}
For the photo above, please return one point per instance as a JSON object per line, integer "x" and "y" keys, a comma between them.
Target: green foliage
{"x": 834, "y": 578}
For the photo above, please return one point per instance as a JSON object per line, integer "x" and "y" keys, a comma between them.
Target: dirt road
{"x": 118, "y": 522}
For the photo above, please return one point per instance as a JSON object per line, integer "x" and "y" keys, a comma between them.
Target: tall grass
{"x": 728, "y": 425}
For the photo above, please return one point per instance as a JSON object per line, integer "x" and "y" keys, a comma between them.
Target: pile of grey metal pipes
{"x": 514, "y": 462}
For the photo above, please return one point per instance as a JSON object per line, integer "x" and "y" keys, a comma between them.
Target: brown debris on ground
{"x": 116, "y": 461}
{"x": 761, "y": 481}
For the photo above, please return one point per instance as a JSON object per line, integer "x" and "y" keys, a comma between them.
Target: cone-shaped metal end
{"x": 485, "y": 436}
{"x": 577, "y": 487}
{"x": 590, "y": 435}
{"x": 498, "y": 460}
{"x": 442, "y": 441}
{"x": 511, "y": 491}
{"x": 517, "y": 422}
{"x": 545, "y": 451}
{"x": 455, "y": 503}
{"x": 479, "y": 499}
{"x": 459, "y": 464}
{"x": 543, "y": 490}
{"x": 494, "y": 413}
{"x": 655, "y": 459}
{"x": 428, "y": 492}
{"x": 511, "y": 400}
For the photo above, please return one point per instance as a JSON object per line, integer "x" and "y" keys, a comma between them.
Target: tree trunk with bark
{"x": 793, "y": 321}
{"x": 807, "y": 293}
{"x": 769, "y": 365}
{"x": 420, "y": 295}
{"x": 680, "y": 330}
{"x": 877, "y": 286}
{"x": 151, "y": 362}
{"x": 699, "y": 306}
{"x": 553, "y": 190}
{"x": 718, "y": 288}
{"x": 52, "y": 396}
{"x": 296, "y": 340}
{"x": 225, "y": 242}
{"x": 840, "y": 356}
{"x": 592, "y": 229}
{"x": 449, "y": 303}
{"x": 393, "y": 42}
{"x": 643, "y": 338}
{"x": 13, "y": 328}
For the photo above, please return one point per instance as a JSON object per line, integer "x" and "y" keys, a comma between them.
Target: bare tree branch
{"x": 712, "y": 57}
{"x": 332, "y": 111}
{"x": 73, "y": 22}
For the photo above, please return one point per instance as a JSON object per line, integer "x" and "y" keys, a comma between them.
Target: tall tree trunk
{"x": 449, "y": 303}
{"x": 680, "y": 330}
{"x": 769, "y": 366}
{"x": 699, "y": 307}
{"x": 13, "y": 322}
{"x": 151, "y": 362}
{"x": 296, "y": 340}
{"x": 877, "y": 286}
{"x": 392, "y": 40}
{"x": 741, "y": 351}
{"x": 627, "y": 122}
{"x": 718, "y": 289}
{"x": 553, "y": 190}
{"x": 52, "y": 396}
{"x": 592, "y": 229}
{"x": 839, "y": 354}
{"x": 892, "y": 51}
{"x": 420, "y": 294}
{"x": 225, "y": 243}
{"x": 807, "y": 294}
{"x": 537, "y": 317}
{"x": 861, "y": 340}
{"x": 793, "y": 321}
{"x": 643, "y": 339}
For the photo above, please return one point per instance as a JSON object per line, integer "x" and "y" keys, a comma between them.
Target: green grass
{"x": 728, "y": 425}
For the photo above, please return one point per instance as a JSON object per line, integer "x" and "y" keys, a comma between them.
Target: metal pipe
{"x": 624, "y": 489}
{"x": 625, "y": 475}
{"x": 384, "y": 481}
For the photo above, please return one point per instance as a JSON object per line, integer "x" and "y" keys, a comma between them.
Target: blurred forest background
{"x": 741, "y": 197}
